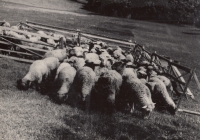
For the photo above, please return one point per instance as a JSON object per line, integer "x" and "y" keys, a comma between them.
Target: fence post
{"x": 79, "y": 37}
{"x": 185, "y": 89}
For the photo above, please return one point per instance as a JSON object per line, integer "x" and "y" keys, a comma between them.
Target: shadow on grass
{"x": 107, "y": 127}
{"x": 191, "y": 33}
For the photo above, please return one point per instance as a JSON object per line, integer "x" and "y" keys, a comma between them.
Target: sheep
{"x": 133, "y": 91}
{"x": 82, "y": 86}
{"x": 51, "y": 41}
{"x": 61, "y": 54}
{"x": 160, "y": 94}
{"x": 38, "y": 71}
{"x": 61, "y": 66}
{"x": 106, "y": 89}
{"x": 138, "y": 94}
{"x": 41, "y": 32}
{"x": 106, "y": 60}
{"x": 52, "y": 63}
{"x": 6, "y": 24}
{"x": 129, "y": 57}
{"x": 14, "y": 27}
{"x": 33, "y": 38}
{"x": 92, "y": 58}
{"x": 76, "y": 51}
{"x": 65, "y": 79}
{"x": 14, "y": 34}
{"x": 76, "y": 62}
{"x": 166, "y": 81}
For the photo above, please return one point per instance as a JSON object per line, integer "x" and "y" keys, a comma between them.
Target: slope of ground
{"x": 30, "y": 115}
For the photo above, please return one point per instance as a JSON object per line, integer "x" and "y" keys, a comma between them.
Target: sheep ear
{"x": 154, "y": 103}
{"x": 144, "y": 106}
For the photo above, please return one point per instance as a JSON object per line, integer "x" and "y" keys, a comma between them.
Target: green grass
{"x": 30, "y": 115}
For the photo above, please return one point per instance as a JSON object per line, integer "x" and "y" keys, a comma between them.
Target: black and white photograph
{"x": 99, "y": 69}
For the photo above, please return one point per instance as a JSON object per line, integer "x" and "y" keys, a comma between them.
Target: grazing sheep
{"x": 52, "y": 63}
{"x": 61, "y": 54}
{"x": 160, "y": 94}
{"x": 65, "y": 79}
{"x": 106, "y": 89}
{"x": 38, "y": 72}
{"x": 83, "y": 83}
{"x": 166, "y": 81}
{"x": 61, "y": 66}
{"x": 133, "y": 91}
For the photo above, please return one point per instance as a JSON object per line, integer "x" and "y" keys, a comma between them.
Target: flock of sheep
{"x": 102, "y": 77}
{"x": 33, "y": 38}
{"x": 93, "y": 75}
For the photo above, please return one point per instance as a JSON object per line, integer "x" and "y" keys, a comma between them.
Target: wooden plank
{"x": 84, "y": 34}
{"x": 189, "y": 112}
{"x": 27, "y": 40}
{"x": 29, "y": 33}
{"x": 172, "y": 63}
{"x": 16, "y": 52}
{"x": 21, "y": 47}
{"x": 26, "y": 47}
{"x": 178, "y": 74}
{"x": 32, "y": 48}
{"x": 72, "y": 30}
{"x": 51, "y": 29}
{"x": 197, "y": 81}
{"x": 17, "y": 59}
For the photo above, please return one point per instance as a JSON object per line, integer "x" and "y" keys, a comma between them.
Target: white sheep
{"x": 61, "y": 54}
{"x": 52, "y": 63}
{"x": 76, "y": 51}
{"x": 61, "y": 66}
{"x": 133, "y": 91}
{"x": 33, "y": 38}
{"x": 65, "y": 79}
{"x": 51, "y": 41}
{"x": 160, "y": 94}
{"x": 76, "y": 62}
{"x": 166, "y": 81}
{"x": 6, "y": 24}
{"x": 37, "y": 71}
{"x": 92, "y": 58}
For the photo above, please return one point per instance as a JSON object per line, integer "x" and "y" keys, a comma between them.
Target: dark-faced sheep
{"x": 106, "y": 89}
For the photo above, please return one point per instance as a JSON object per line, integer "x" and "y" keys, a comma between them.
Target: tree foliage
{"x": 173, "y": 11}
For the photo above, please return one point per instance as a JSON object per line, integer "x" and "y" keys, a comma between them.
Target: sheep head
{"x": 23, "y": 84}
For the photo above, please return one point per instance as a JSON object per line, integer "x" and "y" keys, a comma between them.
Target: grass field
{"x": 30, "y": 115}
